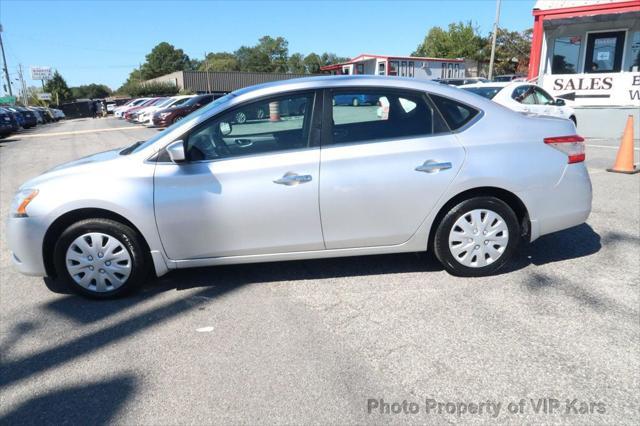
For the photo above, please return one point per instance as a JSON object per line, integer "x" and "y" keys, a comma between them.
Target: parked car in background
{"x": 131, "y": 112}
{"x": 444, "y": 171}
{"x": 58, "y": 114}
{"x": 8, "y": 123}
{"x": 47, "y": 115}
{"x": 168, "y": 116}
{"x": 27, "y": 117}
{"x": 461, "y": 81}
{"x": 38, "y": 115}
{"x": 362, "y": 99}
{"x": 146, "y": 115}
{"x": 509, "y": 77}
{"x": 524, "y": 97}
{"x": 131, "y": 104}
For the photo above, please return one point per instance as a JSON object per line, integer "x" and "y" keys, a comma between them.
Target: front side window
{"x": 604, "y": 52}
{"x": 566, "y": 51}
{"x": 524, "y": 95}
{"x": 385, "y": 115}
{"x": 542, "y": 97}
{"x": 271, "y": 125}
{"x": 455, "y": 113}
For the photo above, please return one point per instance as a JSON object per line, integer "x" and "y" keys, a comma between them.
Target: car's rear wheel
{"x": 100, "y": 258}
{"x": 477, "y": 237}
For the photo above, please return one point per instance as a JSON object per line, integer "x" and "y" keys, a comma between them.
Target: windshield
{"x": 194, "y": 114}
{"x": 486, "y": 91}
{"x": 179, "y": 102}
{"x": 165, "y": 102}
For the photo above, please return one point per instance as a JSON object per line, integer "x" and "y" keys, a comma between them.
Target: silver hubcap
{"x": 478, "y": 238}
{"x": 98, "y": 262}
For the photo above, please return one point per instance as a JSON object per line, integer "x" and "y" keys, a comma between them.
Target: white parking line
{"x": 79, "y": 132}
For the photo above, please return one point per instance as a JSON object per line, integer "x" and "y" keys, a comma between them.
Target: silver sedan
{"x": 421, "y": 166}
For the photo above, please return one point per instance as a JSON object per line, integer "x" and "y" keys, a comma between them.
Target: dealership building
{"x": 402, "y": 66}
{"x": 588, "y": 52}
{"x": 219, "y": 82}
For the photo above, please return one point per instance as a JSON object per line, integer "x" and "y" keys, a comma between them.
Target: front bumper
{"x": 25, "y": 236}
{"x": 161, "y": 122}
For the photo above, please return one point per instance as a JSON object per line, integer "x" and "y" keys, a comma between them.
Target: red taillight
{"x": 572, "y": 145}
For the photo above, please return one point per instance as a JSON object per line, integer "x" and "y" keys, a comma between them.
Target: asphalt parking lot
{"x": 324, "y": 341}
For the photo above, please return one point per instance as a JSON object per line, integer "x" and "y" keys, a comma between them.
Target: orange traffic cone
{"x": 624, "y": 159}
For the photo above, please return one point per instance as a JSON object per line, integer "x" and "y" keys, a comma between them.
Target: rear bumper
{"x": 566, "y": 205}
{"x": 25, "y": 236}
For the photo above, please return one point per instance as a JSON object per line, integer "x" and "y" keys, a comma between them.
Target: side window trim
{"x": 312, "y": 139}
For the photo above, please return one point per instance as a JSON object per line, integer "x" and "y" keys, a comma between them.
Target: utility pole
{"x": 4, "y": 60}
{"x": 207, "y": 71}
{"x": 493, "y": 41}
{"x": 25, "y": 96}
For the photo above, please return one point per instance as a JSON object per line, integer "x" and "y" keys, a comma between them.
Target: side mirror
{"x": 560, "y": 102}
{"x": 176, "y": 151}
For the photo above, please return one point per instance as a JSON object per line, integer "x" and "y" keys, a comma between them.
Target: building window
{"x": 393, "y": 67}
{"x": 382, "y": 68}
{"x": 411, "y": 69}
{"x": 604, "y": 52}
{"x": 403, "y": 68}
{"x": 359, "y": 69}
{"x": 634, "y": 54}
{"x": 565, "y": 55}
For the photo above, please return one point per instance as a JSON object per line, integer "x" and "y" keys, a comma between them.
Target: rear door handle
{"x": 431, "y": 166}
{"x": 290, "y": 179}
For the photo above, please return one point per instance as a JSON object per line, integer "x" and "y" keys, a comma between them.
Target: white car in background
{"x": 145, "y": 115}
{"x": 58, "y": 114}
{"x": 523, "y": 97}
{"x": 124, "y": 108}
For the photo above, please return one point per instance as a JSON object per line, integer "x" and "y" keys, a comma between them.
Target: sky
{"x": 102, "y": 41}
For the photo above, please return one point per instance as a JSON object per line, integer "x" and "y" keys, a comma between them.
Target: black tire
{"x": 441, "y": 239}
{"x": 175, "y": 120}
{"x": 129, "y": 238}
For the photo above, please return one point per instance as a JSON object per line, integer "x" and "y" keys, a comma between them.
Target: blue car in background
{"x": 354, "y": 99}
{"x": 8, "y": 123}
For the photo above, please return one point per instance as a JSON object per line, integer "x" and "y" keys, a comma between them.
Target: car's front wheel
{"x": 477, "y": 237}
{"x": 100, "y": 258}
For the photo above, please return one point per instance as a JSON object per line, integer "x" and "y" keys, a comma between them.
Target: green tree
{"x": 512, "y": 51}
{"x": 91, "y": 91}
{"x": 269, "y": 55}
{"x": 164, "y": 59}
{"x": 313, "y": 62}
{"x": 221, "y": 61}
{"x": 296, "y": 64}
{"x": 58, "y": 88}
{"x": 460, "y": 40}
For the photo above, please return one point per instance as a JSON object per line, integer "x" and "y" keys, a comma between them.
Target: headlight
{"x": 21, "y": 201}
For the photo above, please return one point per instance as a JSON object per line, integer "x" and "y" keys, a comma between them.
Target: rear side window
{"x": 455, "y": 113}
{"x": 370, "y": 115}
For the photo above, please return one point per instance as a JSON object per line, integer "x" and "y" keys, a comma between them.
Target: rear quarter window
{"x": 456, "y": 114}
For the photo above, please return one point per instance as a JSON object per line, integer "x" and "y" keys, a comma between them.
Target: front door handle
{"x": 431, "y": 166}
{"x": 290, "y": 179}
